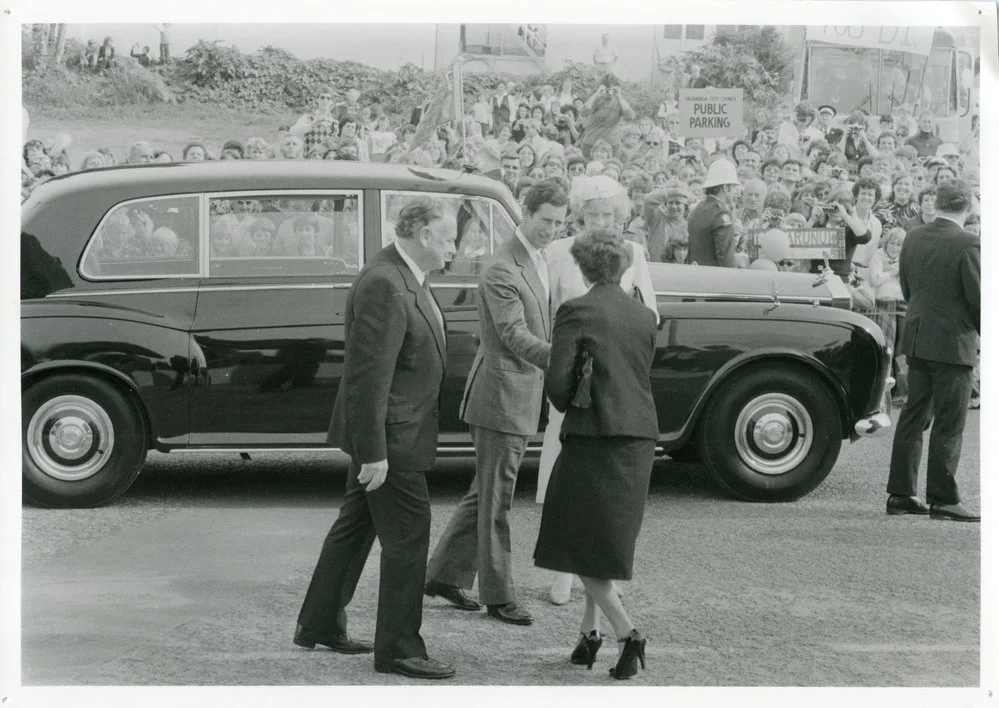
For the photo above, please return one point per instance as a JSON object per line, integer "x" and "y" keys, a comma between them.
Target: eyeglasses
{"x": 786, "y": 264}
{"x": 652, "y": 143}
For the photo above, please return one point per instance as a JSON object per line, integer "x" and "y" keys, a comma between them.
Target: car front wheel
{"x": 83, "y": 442}
{"x": 770, "y": 433}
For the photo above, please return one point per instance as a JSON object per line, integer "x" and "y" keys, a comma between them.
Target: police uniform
{"x": 711, "y": 233}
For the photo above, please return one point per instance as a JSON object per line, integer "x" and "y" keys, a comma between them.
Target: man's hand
{"x": 372, "y": 475}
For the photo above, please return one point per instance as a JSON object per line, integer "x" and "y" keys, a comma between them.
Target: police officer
{"x": 711, "y": 227}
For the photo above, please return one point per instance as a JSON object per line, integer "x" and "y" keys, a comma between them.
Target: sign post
{"x": 711, "y": 113}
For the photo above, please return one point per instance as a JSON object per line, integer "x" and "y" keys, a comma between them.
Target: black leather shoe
{"x": 421, "y": 667}
{"x": 952, "y": 512}
{"x": 511, "y": 612}
{"x": 455, "y": 595}
{"x": 341, "y": 643}
{"x": 898, "y": 504}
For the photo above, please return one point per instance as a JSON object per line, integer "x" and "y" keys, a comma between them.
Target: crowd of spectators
{"x": 873, "y": 175}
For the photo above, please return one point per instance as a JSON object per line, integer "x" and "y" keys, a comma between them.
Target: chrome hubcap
{"x": 773, "y": 433}
{"x": 70, "y": 438}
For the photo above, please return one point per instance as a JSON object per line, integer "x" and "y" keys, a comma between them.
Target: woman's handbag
{"x": 584, "y": 378}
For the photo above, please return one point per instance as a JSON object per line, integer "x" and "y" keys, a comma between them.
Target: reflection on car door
{"x": 269, "y": 326}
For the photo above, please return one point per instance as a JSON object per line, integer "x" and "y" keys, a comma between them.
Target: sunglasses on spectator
{"x": 653, "y": 143}
{"x": 786, "y": 264}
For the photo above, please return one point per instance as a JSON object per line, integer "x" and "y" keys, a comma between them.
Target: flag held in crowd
{"x": 446, "y": 106}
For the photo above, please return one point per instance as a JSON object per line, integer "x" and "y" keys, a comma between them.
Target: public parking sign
{"x": 711, "y": 113}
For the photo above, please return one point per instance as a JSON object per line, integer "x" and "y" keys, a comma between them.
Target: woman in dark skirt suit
{"x": 596, "y": 495}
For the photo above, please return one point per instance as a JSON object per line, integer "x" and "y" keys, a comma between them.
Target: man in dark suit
{"x": 940, "y": 273}
{"x": 386, "y": 418}
{"x": 502, "y": 405}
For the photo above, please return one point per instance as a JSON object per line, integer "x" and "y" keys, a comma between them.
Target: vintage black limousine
{"x": 201, "y": 307}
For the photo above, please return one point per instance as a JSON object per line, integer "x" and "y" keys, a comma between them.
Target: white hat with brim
{"x": 720, "y": 172}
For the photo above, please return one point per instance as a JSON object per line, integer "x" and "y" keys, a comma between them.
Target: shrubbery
{"x": 272, "y": 78}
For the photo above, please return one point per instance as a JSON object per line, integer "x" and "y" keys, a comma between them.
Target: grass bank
{"x": 166, "y": 126}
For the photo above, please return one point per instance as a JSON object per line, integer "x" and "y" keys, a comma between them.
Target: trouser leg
{"x": 400, "y": 509}
{"x": 341, "y": 561}
{"x": 907, "y": 445}
{"x": 498, "y": 464}
{"x": 951, "y": 394}
{"x": 455, "y": 559}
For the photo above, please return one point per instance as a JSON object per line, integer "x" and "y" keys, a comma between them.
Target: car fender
{"x": 747, "y": 359}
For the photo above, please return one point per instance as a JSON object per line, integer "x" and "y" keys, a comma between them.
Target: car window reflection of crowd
{"x": 519, "y": 133}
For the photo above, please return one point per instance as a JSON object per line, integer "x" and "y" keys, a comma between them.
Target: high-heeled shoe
{"x": 632, "y": 653}
{"x": 586, "y": 649}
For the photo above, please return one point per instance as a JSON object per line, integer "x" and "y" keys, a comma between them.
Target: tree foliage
{"x": 755, "y": 59}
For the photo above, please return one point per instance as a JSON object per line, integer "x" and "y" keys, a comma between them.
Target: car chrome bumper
{"x": 873, "y": 426}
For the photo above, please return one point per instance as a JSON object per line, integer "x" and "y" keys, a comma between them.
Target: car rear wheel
{"x": 770, "y": 433}
{"x": 83, "y": 442}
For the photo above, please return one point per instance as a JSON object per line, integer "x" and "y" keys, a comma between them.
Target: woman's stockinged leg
{"x": 602, "y": 592}
{"x": 591, "y": 616}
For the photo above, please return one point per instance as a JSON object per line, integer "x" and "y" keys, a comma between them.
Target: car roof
{"x": 236, "y": 175}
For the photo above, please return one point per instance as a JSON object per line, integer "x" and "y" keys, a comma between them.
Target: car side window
{"x": 288, "y": 234}
{"x": 503, "y": 226}
{"x": 145, "y": 238}
{"x": 474, "y": 217}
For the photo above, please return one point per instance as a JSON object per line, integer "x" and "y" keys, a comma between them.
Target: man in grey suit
{"x": 502, "y": 405}
{"x": 940, "y": 271}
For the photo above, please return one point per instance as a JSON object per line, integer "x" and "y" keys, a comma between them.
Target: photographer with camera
{"x": 859, "y": 229}
{"x": 605, "y": 108}
{"x": 856, "y": 145}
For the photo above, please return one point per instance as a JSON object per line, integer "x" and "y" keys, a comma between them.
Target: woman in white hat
{"x": 595, "y": 203}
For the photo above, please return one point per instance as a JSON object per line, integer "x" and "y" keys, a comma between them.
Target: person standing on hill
{"x": 604, "y": 56}
{"x": 164, "y": 29}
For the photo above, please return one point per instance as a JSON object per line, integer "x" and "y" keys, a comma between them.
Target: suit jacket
{"x": 940, "y": 271}
{"x": 620, "y": 334}
{"x": 505, "y": 387}
{"x": 388, "y": 401}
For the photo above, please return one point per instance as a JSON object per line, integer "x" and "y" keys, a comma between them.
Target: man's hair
{"x": 790, "y": 162}
{"x": 767, "y": 164}
{"x": 193, "y": 145}
{"x": 417, "y": 214}
{"x": 546, "y": 191}
{"x": 602, "y": 256}
{"x": 236, "y": 146}
{"x": 954, "y": 196}
{"x": 928, "y": 192}
{"x": 867, "y": 183}
{"x": 510, "y": 155}
{"x": 134, "y": 148}
{"x": 907, "y": 151}
{"x": 33, "y": 144}
{"x": 575, "y": 160}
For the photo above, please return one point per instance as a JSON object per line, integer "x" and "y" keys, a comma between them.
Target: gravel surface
{"x": 196, "y": 576}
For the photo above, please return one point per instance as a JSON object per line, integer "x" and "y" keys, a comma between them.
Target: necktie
{"x": 541, "y": 263}
{"x": 433, "y": 304}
